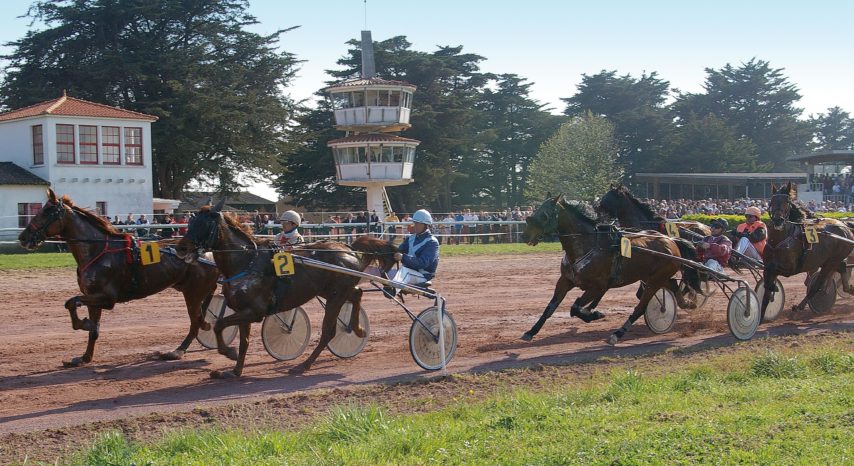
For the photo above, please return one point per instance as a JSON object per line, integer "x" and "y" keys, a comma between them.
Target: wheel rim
{"x": 743, "y": 313}
{"x": 207, "y": 338}
{"x": 285, "y": 334}
{"x": 345, "y": 343}
{"x": 660, "y": 314}
{"x": 424, "y": 347}
{"x": 776, "y": 306}
{"x": 822, "y": 301}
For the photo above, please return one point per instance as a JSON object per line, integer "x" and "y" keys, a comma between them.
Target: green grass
{"x": 47, "y": 260}
{"x": 795, "y": 407}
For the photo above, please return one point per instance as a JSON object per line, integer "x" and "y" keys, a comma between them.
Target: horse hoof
{"x": 72, "y": 303}
{"x": 612, "y": 340}
{"x": 75, "y": 362}
{"x": 360, "y": 332}
{"x": 217, "y": 374}
{"x": 206, "y": 326}
{"x": 527, "y": 337}
{"x": 171, "y": 355}
{"x": 298, "y": 369}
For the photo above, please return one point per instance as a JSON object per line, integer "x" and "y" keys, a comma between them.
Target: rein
{"x": 106, "y": 250}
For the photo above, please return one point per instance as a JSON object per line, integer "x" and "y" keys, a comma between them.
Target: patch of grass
{"x": 48, "y": 260}
{"x": 788, "y": 406}
{"x": 451, "y": 250}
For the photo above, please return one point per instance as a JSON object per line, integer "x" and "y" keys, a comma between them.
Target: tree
{"x": 215, "y": 87}
{"x": 635, "y": 106}
{"x": 758, "y": 103}
{"x": 580, "y": 161}
{"x": 833, "y": 130}
{"x": 708, "y": 145}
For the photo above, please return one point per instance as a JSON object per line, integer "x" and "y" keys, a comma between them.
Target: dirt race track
{"x": 493, "y": 300}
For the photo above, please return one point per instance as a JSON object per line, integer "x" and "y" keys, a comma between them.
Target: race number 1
{"x": 626, "y": 248}
{"x": 811, "y": 234}
{"x": 283, "y": 263}
{"x": 672, "y": 229}
{"x": 150, "y": 254}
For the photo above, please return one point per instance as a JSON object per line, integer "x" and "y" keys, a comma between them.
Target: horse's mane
{"x": 239, "y": 228}
{"x": 375, "y": 249}
{"x": 96, "y": 220}
{"x": 580, "y": 210}
{"x": 642, "y": 206}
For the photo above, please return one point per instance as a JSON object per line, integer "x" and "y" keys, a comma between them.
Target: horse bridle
{"x": 211, "y": 236}
{"x": 785, "y": 213}
{"x": 57, "y": 214}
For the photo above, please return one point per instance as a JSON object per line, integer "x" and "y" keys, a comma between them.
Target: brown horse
{"x": 593, "y": 263}
{"x": 619, "y": 203}
{"x": 108, "y": 271}
{"x": 787, "y": 253}
{"x": 254, "y": 291}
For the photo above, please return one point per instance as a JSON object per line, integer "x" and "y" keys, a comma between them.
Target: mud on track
{"x": 494, "y": 299}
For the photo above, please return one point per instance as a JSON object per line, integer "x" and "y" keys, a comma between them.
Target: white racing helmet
{"x": 422, "y": 216}
{"x": 290, "y": 216}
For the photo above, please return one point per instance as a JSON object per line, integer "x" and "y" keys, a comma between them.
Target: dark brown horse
{"x": 619, "y": 203}
{"x": 253, "y": 290}
{"x": 593, "y": 263}
{"x": 787, "y": 252}
{"x": 108, "y": 271}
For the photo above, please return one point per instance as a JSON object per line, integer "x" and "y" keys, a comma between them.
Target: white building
{"x": 99, "y": 155}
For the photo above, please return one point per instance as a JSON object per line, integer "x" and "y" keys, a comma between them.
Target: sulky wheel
{"x": 840, "y": 287}
{"x": 345, "y": 343}
{"x": 207, "y": 338}
{"x": 660, "y": 312}
{"x": 742, "y": 313}
{"x": 822, "y": 301}
{"x": 775, "y": 303}
{"x": 424, "y": 338}
{"x": 285, "y": 334}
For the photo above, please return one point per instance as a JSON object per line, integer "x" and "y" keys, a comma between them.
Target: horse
{"x": 253, "y": 290}
{"x": 786, "y": 252}
{"x": 109, "y": 272}
{"x": 619, "y": 203}
{"x": 593, "y": 263}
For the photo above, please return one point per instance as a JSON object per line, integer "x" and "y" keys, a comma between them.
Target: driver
{"x": 751, "y": 235}
{"x": 419, "y": 253}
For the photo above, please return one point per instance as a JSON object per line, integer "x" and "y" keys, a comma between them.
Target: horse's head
{"x": 50, "y": 221}
{"x": 544, "y": 220}
{"x": 780, "y": 205}
{"x": 202, "y": 232}
{"x": 611, "y": 203}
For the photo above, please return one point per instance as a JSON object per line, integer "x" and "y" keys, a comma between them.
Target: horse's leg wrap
{"x": 585, "y": 314}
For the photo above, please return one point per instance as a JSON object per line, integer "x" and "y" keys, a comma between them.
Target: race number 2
{"x": 672, "y": 229}
{"x": 150, "y": 254}
{"x": 811, "y": 234}
{"x": 626, "y": 248}
{"x": 283, "y": 263}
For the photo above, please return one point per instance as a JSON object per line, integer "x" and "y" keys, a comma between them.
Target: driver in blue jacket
{"x": 419, "y": 252}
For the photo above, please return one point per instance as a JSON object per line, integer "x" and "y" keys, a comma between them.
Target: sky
{"x": 553, "y": 43}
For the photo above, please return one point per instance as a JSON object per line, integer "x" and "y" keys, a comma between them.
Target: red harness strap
{"x": 126, "y": 249}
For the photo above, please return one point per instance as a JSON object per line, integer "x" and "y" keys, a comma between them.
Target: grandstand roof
{"x": 825, "y": 156}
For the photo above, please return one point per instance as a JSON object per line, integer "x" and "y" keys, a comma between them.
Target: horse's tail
{"x": 689, "y": 274}
{"x": 375, "y": 249}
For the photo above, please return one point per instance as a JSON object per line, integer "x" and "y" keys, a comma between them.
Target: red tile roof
{"x": 69, "y": 106}
{"x": 371, "y": 137}
{"x": 370, "y": 82}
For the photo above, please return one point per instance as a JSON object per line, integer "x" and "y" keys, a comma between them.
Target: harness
{"x": 129, "y": 246}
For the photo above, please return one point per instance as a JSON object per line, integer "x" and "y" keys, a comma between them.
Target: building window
{"x": 38, "y": 145}
{"x": 65, "y": 143}
{"x": 101, "y": 208}
{"x": 133, "y": 146}
{"x": 111, "y": 146}
{"x": 26, "y": 212}
{"x": 88, "y": 144}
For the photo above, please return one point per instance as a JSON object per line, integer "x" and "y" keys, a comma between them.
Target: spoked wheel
{"x": 345, "y": 343}
{"x": 840, "y": 287}
{"x": 776, "y": 302}
{"x": 822, "y": 301}
{"x": 660, "y": 314}
{"x": 207, "y": 338}
{"x": 743, "y": 313}
{"x": 424, "y": 338}
{"x": 285, "y": 334}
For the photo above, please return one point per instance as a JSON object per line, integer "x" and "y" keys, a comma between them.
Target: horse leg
{"x": 195, "y": 310}
{"x": 562, "y": 287}
{"x": 589, "y": 296}
{"x": 244, "y": 327}
{"x": 845, "y": 273}
{"x": 93, "y": 325}
{"x": 355, "y": 298}
{"x": 98, "y": 300}
{"x": 648, "y": 293}
{"x": 228, "y": 321}
{"x": 819, "y": 283}
{"x": 330, "y": 321}
{"x": 683, "y": 303}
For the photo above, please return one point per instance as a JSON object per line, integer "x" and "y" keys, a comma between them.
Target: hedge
{"x": 735, "y": 219}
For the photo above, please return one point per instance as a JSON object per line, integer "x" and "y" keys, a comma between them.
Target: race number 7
{"x": 283, "y": 264}
{"x": 150, "y": 254}
{"x": 811, "y": 234}
{"x": 672, "y": 229}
